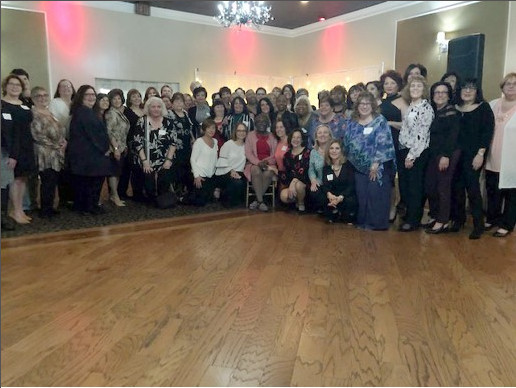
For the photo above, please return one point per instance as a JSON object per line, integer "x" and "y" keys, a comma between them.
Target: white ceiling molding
{"x": 388, "y": 6}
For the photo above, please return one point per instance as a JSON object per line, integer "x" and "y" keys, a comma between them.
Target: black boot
{"x": 478, "y": 229}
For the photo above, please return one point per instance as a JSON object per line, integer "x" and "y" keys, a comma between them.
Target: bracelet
{"x": 167, "y": 158}
{"x": 143, "y": 160}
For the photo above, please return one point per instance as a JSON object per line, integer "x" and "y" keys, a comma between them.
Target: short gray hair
{"x": 154, "y": 99}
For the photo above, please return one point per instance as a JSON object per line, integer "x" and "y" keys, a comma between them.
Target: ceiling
{"x": 287, "y": 14}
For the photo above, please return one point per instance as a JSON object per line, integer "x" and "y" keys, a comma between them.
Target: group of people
{"x": 339, "y": 160}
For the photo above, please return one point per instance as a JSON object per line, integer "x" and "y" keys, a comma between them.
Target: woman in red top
{"x": 261, "y": 164}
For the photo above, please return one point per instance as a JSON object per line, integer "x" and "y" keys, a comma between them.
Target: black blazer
{"x": 88, "y": 145}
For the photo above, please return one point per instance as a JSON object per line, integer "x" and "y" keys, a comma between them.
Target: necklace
{"x": 336, "y": 169}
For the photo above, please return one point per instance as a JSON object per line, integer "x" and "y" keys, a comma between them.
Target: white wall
{"x": 108, "y": 44}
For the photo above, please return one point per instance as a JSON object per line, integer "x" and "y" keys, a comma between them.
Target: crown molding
{"x": 388, "y": 6}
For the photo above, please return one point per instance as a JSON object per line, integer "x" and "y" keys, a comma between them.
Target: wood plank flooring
{"x": 247, "y": 299}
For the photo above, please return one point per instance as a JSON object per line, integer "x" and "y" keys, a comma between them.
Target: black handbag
{"x": 166, "y": 200}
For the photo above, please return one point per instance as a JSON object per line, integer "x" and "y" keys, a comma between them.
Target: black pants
{"x": 232, "y": 190}
{"x": 49, "y": 180}
{"x": 316, "y": 200}
{"x": 157, "y": 182}
{"x": 438, "y": 187}
{"x": 413, "y": 180}
{"x": 496, "y": 198}
{"x": 87, "y": 192}
{"x": 137, "y": 181}
{"x": 182, "y": 176}
{"x": 125, "y": 175}
{"x": 467, "y": 180}
{"x": 202, "y": 196}
{"x": 5, "y": 200}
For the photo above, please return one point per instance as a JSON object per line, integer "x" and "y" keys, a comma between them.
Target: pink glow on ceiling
{"x": 66, "y": 27}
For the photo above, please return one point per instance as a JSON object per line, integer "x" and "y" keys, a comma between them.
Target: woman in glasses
{"x": 369, "y": 147}
{"x": 19, "y": 147}
{"x": 49, "y": 147}
{"x": 444, "y": 156}
{"x": 500, "y": 166}
{"x": 476, "y": 132}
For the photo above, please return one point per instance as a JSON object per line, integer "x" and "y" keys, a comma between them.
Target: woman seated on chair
{"x": 230, "y": 168}
{"x": 259, "y": 151}
{"x": 296, "y": 161}
{"x": 204, "y": 161}
{"x": 155, "y": 144}
{"x": 339, "y": 186}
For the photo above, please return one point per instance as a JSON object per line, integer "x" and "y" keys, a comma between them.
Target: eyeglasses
{"x": 89, "y": 94}
{"x": 509, "y": 84}
{"x": 470, "y": 87}
{"x": 14, "y": 84}
{"x": 438, "y": 92}
{"x": 364, "y": 103}
{"x": 41, "y": 95}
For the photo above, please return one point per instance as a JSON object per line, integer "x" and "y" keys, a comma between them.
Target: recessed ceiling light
{"x": 304, "y": 2}
{"x": 322, "y": 19}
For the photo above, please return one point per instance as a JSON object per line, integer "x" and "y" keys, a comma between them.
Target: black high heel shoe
{"x": 442, "y": 229}
{"x": 429, "y": 224}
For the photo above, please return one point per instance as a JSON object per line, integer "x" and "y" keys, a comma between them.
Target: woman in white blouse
{"x": 500, "y": 166}
{"x": 60, "y": 104}
{"x": 414, "y": 142}
{"x": 230, "y": 168}
{"x": 204, "y": 161}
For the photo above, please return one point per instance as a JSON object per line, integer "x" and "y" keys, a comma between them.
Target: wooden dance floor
{"x": 253, "y": 299}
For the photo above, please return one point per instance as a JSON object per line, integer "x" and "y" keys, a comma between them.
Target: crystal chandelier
{"x": 251, "y": 13}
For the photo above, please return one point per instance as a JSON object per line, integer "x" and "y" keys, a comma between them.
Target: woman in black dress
{"x": 393, "y": 107}
{"x": 16, "y": 121}
{"x": 444, "y": 157}
{"x": 181, "y": 168}
{"x": 88, "y": 150}
{"x": 475, "y": 135}
{"x": 339, "y": 186}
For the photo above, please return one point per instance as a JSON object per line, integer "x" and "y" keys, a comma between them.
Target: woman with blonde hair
{"x": 414, "y": 143}
{"x": 323, "y": 138}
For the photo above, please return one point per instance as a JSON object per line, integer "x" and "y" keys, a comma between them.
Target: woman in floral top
{"x": 369, "y": 148}
{"x": 414, "y": 143}
{"x": 296, "y": 162}
{"x": 118, "y": 126}
{"x": 49, "y": 148}
{"x": 155, "y": 144}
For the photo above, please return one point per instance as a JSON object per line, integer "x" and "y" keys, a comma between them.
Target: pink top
{"x": 281, "y": 149}
{"x": 494, "y": 158}
{"x": 251, "y": 153}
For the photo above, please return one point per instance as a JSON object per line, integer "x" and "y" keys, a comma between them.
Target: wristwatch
{"x": 481, "y": 152}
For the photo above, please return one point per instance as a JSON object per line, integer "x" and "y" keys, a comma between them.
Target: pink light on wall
{"x": 66, "y": 27}
{"x": 241, "y": 45}
{"x": 332, "y": 47}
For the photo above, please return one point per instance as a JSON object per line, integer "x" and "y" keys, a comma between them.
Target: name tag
{"x": 162, "y": 132}
{"x": 329, "y": 177}
{"x": 300, "y": 157}
{"x": 368, "y": 130}
{"x": 25, "y": 107}
{"x": 7, "y": 116}
{"x": 284, "y": 148}
{"x": 412, "y": 115}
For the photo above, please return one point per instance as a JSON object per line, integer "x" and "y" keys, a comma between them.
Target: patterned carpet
{"x": 134, "y": 211}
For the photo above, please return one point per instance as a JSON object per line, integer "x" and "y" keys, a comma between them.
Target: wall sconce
{"x": 442, "y": 42}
